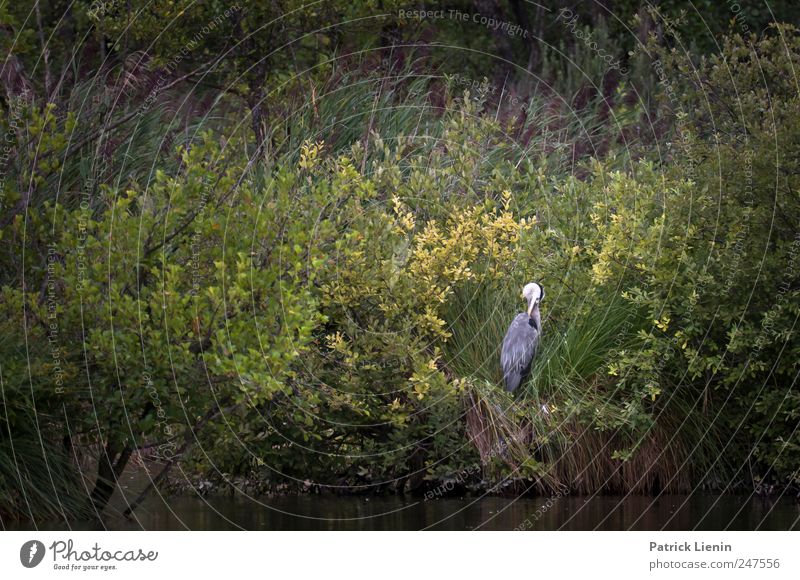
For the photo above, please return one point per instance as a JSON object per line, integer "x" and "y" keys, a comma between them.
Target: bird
{"x": 522, "y": 339}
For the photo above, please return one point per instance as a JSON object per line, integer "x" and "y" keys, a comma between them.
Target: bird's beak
{"x": 532, "y": 306}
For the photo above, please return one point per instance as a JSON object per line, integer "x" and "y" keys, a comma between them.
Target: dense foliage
{"x": 312, "y": 295}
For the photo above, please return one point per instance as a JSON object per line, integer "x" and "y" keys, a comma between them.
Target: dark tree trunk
{"x": 14, "y": 81}
{"x": 529, "y": 32}
{"x": 492, "y": 9}
{"x": 45, "y": 51}
{"x": 249, "y": 52}
{"x": 416, "y": 465}
{"x": 258, "y": 121}
{"x": 109, "y": 468}
{"x": 393, "y": 54}
{"x": 190, "y": 437}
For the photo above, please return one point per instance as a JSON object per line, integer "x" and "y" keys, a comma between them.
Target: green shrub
{"x": 331, "y": 317}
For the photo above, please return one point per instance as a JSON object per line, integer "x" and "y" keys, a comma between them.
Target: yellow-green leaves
{"x": 309, "y": 154}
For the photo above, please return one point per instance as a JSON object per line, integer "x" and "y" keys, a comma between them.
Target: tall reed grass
{"x": 569, "y": 425}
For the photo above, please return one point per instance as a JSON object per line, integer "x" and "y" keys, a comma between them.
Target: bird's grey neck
{"x": 536, "y": 318}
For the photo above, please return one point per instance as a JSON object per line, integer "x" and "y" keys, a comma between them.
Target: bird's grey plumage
{"x": 519, "y": 350}
{"x": 522, "y": 340}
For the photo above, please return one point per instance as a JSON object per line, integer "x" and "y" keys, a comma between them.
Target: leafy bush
{"x": 328, "y": 313}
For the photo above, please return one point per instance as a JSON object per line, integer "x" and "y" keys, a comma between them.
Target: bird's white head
{"x": 533, "y": 293}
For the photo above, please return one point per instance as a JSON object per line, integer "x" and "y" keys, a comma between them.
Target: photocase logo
{"x": 31, "y": 553}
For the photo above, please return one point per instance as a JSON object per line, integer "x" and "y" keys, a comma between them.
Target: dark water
{"x": 312, "y": 512}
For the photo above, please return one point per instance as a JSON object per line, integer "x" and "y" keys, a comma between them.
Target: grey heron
{"x": 522, "y": 339}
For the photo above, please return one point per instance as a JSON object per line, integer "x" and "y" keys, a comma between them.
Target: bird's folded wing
{"x": 519, "y": 346}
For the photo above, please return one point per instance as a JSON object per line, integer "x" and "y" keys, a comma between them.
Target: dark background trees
{"x": 252, "y": 237}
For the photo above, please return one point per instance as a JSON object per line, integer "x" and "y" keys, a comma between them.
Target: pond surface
{"x": 314, "y": 512}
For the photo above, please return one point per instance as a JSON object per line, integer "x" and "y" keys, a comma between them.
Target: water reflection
{"x": 311, "y": 512}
